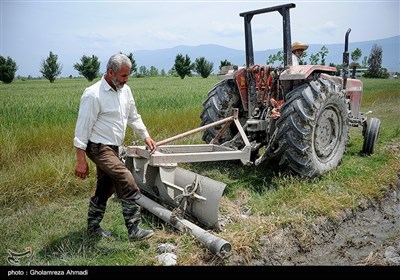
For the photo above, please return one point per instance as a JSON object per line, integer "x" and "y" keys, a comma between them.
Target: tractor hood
{"x": 301, "y": 72}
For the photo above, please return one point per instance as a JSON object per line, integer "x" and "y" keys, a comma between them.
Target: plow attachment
{"x": 187, "y": 192}
{"x": 190, "y": 195}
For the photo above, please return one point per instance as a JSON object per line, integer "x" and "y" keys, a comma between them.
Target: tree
{"x": 364, "y": 62}
{"x": 272, "y": 58}
{"x": 8, "y": 67}
{"x": 183, "y": 66}
{"x": 153, "y": 71}
{"x": 374, "y": 62}
{"x": 203, "y": 67}
{"x": 172, "y": 72}
{"x": 323, "y": 52}
{"x": 224, "y": 63}
{"x": 356, "y": 54}
{"x": 50, "y": 68}
{"x": 132, "y": 59}
{"x": 89, "y": 68}
{"x": 302, "y": 59}
{"x": 142, "y": 71}
{"x": 314, "y": 58}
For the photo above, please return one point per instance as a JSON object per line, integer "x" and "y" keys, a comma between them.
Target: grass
{"x": 44, "y": 205}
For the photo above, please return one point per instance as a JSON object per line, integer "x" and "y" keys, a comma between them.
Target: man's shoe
{"x": 141, "y": 234}
{"x": 100, "y": 232}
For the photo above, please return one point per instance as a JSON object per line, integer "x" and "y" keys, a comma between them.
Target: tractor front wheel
{"x": 371, "y": 132}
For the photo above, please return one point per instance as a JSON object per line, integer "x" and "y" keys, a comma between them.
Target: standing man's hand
{"x": 82, "y": 167}
{"x": 151, "y": 144}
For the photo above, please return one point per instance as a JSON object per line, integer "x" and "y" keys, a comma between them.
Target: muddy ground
{"x": 369, "y": 236}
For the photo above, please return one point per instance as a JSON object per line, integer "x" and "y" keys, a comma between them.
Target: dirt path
{"x": 369, "y": 236}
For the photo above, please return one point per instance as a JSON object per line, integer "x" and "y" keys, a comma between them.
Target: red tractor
{"x": 297, "y": 117}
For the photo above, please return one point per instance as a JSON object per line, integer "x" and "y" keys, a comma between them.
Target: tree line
{"x": 89, "y": 66}
{"x": 373, "y": 62}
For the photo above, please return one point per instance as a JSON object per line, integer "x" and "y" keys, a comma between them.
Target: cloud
{"x": 329, "y": 28}
{"x": 226, "y": 28}
{"x": 92, "y": 37}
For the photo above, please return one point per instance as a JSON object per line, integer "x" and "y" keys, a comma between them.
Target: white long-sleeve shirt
{"x": 104, "y": 115}
{"x": 295, "y": 60}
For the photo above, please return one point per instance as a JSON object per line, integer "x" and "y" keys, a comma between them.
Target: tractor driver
{"x": 298, "y": 49}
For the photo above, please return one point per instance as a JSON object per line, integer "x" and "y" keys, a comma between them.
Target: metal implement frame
{"x": 173, "y": 154}
{"x": 190, "y": 194}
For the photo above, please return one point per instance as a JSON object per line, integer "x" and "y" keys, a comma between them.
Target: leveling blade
{"x": 192, "y": 194}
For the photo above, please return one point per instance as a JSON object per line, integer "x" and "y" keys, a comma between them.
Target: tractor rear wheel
{"x": 221, "y": 100}
{"x": 313, "y": 129}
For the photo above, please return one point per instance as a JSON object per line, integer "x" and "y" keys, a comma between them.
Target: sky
{"x": 30, "y": 29}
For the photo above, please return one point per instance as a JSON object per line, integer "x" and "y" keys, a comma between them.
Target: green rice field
{"x": 44, "y": 206}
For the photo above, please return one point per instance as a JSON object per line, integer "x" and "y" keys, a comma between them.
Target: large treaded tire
{"x": 371, "y": 134}
{"x": 313, "y": 129}
{"x": 222, "y": 98}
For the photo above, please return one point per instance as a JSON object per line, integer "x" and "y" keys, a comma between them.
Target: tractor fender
{"x": 301, "y": 72}
{"x": 354, "y": 91}
{"x": 241, "y": 82}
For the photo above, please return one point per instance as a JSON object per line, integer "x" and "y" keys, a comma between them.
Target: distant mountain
{"x": 165, "y": 58}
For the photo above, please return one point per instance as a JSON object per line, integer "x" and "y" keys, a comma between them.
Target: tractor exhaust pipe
{"x": 346, "y": 59}
{"x": 216, "y": 245}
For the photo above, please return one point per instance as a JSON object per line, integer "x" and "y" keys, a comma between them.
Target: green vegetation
{"x": 8, "y": 67}
{"x": 89, "y": 67}
{"x": 203, "y": 67}
{"x": 183, "y": 65}
{"x": 50, "y": 68}
{"x": 44, "y": 206}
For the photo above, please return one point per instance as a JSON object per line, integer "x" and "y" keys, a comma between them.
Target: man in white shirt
{"x": 298, "y": 49}
{"x": 106, "y": 109}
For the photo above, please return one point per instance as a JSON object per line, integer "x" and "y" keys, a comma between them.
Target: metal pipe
{"x": 216, "y": 245}
{"x": 346, "y": 59}
{"x": 287, "y": 37}
{"x": 193, "y": 131}
{"x": 284, "y": 11}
